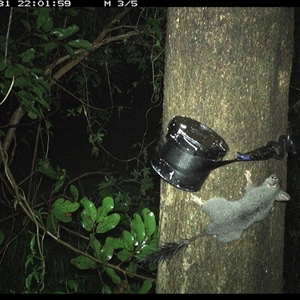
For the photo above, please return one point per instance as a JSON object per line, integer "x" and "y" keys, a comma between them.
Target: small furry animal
{"x": 229, "y": 218}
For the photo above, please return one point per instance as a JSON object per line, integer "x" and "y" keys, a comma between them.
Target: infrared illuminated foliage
{"x": 127, "y": 248}
{"x": 60, "y": 66}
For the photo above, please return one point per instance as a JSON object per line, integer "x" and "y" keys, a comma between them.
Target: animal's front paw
{"x": 197, "y": 199}
{"x": 248, "y": 176}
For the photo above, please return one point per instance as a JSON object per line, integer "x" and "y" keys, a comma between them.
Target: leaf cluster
{"x": 38, "y": 48}
{"x": 116, "y": 256}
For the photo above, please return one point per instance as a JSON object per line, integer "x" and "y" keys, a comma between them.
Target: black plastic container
{"x": 188, "y": 153}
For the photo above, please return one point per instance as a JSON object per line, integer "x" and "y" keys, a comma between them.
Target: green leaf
{"x": 145, "y": 288}
{"x": 72, "y": 284}
{"x": 83, "y": 262}
{"x": 70, "y": 51}
{"x": 43, "y": 15}
{"x": 88, "y": 214}
{"x": 23, "y": 69}
{"x": 113, "y": 275}
{"x": 52, "y": 223}
{"x": 32, "y": 115}
{"x": 26, "y": 24}
{"x": 65, "y": 205}
{"x": 131, "y": 268}
{"x": 37, "y": 91}
{"x": 74, "y": 192}
{"x": 108, "y": 223}
{"x": 48, "y": 124}
{"x": 96, "y": 246}
{"x": 149, "y": 221}
{"x": 60, "y": 182}
{"x": 22, "y": 81}
{"x": 62, "y": 34}
{"x": 29, "y": 260}
{"x": 28, "y": 281}
{"x": 139, "y": 228}
{"x": 29, "y": 106}
{"x": 32, "y": 243}
{"x": 96, "y": 80}
{"x": 48, "y": 25}
{"x": 72, "y": 12}
{"x": 106, "y": 207}
{"x": 50, "y": 47}
{"x": 42, "y": 83}
{"x": 118, "y": 243}
{"x": 41, "y": 36}
{"x": 12, "y": 71}
{"x": 150, "y": 247}
{"x": 124, "y": 255}
{"x": 81, "y": 44}
{"x": 46, "y": 168}
{"x": 28, "y": 98}
{"x": 24, "y": 95}
{"x": 108, "y": 249}
{"x": 128, "y": 240}
{"x": 37, "y": 276}
{"x": 63, "y": 208}
{"x": 105, "y": 289}
{"x": 38, "y": 72}
{"x": 62, "y": 205}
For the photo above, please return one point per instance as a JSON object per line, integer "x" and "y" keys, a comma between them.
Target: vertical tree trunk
{"x": 228, "y": 68}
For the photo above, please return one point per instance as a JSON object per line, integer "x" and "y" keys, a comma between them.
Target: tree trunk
{"x": 228, "y": 68}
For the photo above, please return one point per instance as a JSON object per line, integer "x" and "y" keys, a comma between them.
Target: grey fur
{"x": 229, "y": 218}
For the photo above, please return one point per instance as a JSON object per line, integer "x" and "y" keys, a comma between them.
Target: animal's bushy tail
{"x": 164, "y": 252}
{"x": 168, "y": 250}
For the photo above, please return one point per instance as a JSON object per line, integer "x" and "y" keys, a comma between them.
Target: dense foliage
{"x": 78, "y": 207}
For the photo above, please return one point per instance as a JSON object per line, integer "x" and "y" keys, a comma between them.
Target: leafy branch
{"x": 33, "y": 83}
{"x": 97, "y": 43}
{"x": 21, "y": 201}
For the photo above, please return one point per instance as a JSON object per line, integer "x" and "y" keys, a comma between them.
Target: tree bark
{"x": 228, "y": 68}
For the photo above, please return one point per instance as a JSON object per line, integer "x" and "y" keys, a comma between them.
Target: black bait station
{"x": 190, "y": 151}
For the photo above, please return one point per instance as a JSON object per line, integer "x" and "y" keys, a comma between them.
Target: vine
{"x": 111, "y": 231}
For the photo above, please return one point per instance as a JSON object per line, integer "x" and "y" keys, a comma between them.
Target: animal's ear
{"x": 283, "y": 196}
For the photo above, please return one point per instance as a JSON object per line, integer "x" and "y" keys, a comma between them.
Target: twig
{"x": 39, "y": 226}
{"x": 9, "y": 90}
{"x": 7, "y": 35}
